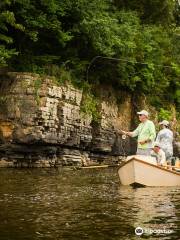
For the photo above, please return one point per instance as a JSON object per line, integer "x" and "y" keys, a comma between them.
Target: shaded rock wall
{"x": 41, "y": 124}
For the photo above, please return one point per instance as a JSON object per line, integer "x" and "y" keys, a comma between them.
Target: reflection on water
{"x": 87, "y": 204}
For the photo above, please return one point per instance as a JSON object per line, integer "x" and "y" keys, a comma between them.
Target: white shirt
{"x": 160, "y": 157}
{"x": 165, "y": 139}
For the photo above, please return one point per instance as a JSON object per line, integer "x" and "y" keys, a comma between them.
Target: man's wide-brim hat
{"x": 157, "y": 144}
{"x": 143, "y": 112}
{"x": 164, "y": 122}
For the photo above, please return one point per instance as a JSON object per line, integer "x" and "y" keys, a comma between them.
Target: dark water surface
{"x": 83, "y": 204}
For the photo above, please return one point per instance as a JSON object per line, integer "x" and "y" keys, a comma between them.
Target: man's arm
{"x": 158, "y": 138}
{"x": 132, "y": 134}
{"x": 152, "y": 132}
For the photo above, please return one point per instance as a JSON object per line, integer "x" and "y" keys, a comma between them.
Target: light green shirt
{"x": 145, "y": 131}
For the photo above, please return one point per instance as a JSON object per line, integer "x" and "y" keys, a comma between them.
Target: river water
{"x": 90, "y": 204}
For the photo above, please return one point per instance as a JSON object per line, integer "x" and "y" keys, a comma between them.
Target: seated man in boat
{"x": 145, "y": 132}
{"x": 159, "y": 154}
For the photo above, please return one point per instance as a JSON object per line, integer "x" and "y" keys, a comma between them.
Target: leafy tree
{"x": 7, "y": 18}
{"x": 62, "y": 37}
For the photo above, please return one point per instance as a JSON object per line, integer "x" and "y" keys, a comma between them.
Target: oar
{"x": 99, "y": 166}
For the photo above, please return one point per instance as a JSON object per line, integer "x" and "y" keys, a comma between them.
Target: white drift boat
{"x": 143, "y": 171}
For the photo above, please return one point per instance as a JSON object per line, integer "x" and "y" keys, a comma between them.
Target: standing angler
{"x": 145, "y": 132}
{"x": 165, "y": 139}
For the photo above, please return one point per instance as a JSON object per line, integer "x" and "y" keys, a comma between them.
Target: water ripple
{"x": 87, "y": 204}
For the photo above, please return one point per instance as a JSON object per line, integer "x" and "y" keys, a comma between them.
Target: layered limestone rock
{"x": 41, "y": 124}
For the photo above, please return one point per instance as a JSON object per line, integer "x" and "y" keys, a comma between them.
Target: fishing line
{"x": 123, "y": 138}
{"x": 123, "y": 60}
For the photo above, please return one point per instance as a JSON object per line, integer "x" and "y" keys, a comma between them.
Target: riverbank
{"x": 47, "y": 124}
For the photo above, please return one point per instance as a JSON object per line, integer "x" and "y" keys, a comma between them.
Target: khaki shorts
{"x": 146, "y": 152}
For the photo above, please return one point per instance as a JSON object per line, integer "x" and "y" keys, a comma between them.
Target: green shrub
{"x": 164, "y": 114}
{"x": 89, "y": 106}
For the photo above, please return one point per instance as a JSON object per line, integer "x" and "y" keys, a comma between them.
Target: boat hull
{"x": 136, "y": 172}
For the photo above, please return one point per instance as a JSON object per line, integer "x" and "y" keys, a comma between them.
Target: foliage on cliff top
{"x": 38, "y": 35}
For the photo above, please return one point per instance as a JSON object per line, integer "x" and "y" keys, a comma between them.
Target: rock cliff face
{"x": 41, "y": 124}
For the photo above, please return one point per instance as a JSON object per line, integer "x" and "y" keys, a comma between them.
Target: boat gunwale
{"x": 150, "y": 164}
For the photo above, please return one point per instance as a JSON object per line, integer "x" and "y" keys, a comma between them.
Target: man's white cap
{"x": 143, "y": 112}
{"x": 164, "y": 122}
{"x": 157, "y": 144}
